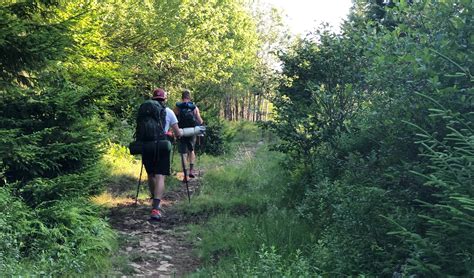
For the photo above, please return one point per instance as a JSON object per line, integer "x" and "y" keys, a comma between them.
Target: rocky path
{"x": 157, "y": 249}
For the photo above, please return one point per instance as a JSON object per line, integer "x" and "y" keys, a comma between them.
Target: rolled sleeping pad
{"x": 191, "y": 131}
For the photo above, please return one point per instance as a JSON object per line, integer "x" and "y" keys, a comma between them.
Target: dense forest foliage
{"x": 72, "y": 74}
{"x": 378, "y": 126}
{"x": 374, "y": 126}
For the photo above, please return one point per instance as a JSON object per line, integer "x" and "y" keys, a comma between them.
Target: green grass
{"x": 246, "y": 227}
{"x": 244, "y": 234}
{"x": 239, "y": 184}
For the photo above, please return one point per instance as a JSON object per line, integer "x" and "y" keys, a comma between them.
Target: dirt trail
{"x": 158, "y": 249}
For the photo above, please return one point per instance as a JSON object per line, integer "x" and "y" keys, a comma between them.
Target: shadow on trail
{"x": 158, "y": 249}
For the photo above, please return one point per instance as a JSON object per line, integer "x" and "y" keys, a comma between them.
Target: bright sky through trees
{"x": 304, "y": 15}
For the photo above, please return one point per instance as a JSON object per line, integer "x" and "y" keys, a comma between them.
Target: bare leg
{"x": 151, "y": 184}
{"x": 158, "y": 189}
{"x": 191, "y": 157}
{"x": 159, "y": 186}
{"x": 156, "y": 184}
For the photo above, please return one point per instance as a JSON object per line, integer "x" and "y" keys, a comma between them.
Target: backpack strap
{"x": 186, "y": 105}
{"x": 163, "y": 121}
{"x": 162, "y": 126}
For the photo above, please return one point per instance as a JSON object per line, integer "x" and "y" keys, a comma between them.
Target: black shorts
{"x": 156, "y": 158}
{"x": 186, "y": 144}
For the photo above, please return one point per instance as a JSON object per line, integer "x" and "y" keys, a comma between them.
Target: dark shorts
{"x": 186, "y": 144}
{"x": 156, "y": 158}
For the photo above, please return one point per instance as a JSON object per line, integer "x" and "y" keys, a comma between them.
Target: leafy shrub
{"x": 16, "y": 224}
{"x": 75, "y": 238}
{"x": 59, "y": 238}
{"x": 445, "y": 245}
{"x": 348, "y": 118}
{"x": 50, "y": 145}
{"x": 213, "y": 142}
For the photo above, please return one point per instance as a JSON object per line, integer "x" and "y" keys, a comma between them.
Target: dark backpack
{"x": 186, "y": 116}
{"x": 151, "y": 121}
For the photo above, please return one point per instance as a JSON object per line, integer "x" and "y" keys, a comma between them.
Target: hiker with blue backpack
{"x": 188, "y": 116}
{"x": 154, "y": 122}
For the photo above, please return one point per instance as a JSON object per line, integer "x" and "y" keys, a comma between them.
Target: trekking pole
{"x": 185, "y": 176}
{"x": 172, "y": 155}
{"x": 138, "y": 186}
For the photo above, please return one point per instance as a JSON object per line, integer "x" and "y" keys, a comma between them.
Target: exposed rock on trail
{"x": 155, "y": 249}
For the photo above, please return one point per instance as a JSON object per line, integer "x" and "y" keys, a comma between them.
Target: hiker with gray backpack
{"x": 154, "y": 121}
{"x": 189, "y": 117}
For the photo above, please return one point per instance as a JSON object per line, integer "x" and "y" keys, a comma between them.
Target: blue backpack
{"x": 186, "y": 116}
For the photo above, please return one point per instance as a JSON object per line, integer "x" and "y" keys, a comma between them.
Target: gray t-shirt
{"x": 170, "y": 119}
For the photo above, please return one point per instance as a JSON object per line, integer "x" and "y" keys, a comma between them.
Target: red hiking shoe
{"x": 155, "y": 215}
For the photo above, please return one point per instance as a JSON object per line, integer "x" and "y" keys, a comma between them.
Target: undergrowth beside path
{"x": 249, "y": 228}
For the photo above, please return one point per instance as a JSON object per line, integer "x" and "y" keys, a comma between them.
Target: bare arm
{"x": 176, "y": 130}
{"x": 198, "y": 116}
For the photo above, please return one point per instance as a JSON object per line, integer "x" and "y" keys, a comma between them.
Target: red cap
{"x": 159, "y": 93}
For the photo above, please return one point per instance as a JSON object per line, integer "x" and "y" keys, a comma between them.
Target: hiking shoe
{"x": 155, "y": 215}
{"x": 191, "y": 174}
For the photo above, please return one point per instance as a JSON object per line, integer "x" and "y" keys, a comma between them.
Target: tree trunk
{"x": 260, "y": 106}
{"x": 236, "y": 108}
{"x": 266, "y": 109}
{"x": 254, "y": 111}
{"x": 242, "y": 108}
{"x": 227, "y": 107}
